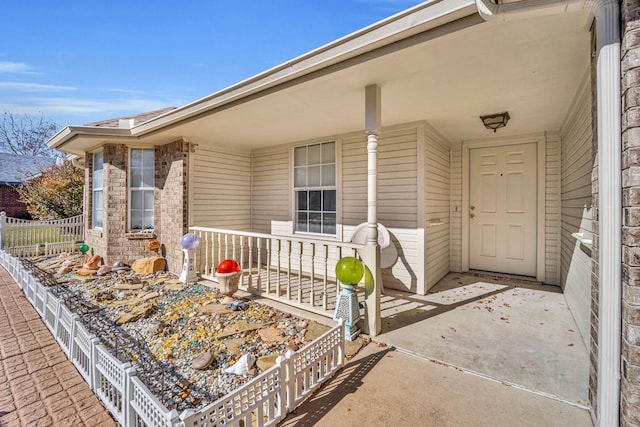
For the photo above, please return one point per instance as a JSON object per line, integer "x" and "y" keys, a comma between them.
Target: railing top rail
{"x": 52, "y": 222}
{"x": 348, "y": 245}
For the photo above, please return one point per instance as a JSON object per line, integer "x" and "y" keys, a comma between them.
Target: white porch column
{"x": 371, "y": 254}
{"x": 609, "y": 210}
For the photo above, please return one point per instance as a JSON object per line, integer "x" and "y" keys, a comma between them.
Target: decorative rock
{"x": 149, "y": 265}
{"x": 93, "y": 263}
{"x": 104, "y": 269}
{"x": 240, "y": 326}
{"x": 226, "y": 300}
{"x": 149, "y": 296}
{"x": 233, "y": 346}
{"x": 266, "y": 362}
{"x": 86, "y": 272}
{"x": 291, "y": 347}
{"x": 63, "y": 270}
{"x": 128, "y": 286}
{"x": 315, "y": 329}
{"x": 203, "y": 361}
{"x": 242, "y": 366}
{"x": 270, "y": 335}
{"x": 136, "y": 313}
{"x": 215, "y": 309}
{"x": 67, "y": 263}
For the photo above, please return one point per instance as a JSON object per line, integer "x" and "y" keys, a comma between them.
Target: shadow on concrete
{"x": 345, "y": 382}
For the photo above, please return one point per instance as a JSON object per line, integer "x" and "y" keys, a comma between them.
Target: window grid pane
{"x": 314, "y": 183}
{"x": 141, "y": 189}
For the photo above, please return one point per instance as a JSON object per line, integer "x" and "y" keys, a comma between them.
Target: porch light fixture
{"x": 495, "y": 121}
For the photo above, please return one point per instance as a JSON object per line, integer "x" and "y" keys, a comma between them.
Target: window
{"x": 314, "y": 172}
{"x": 97, "y": 198}
{"x": 141, "y": 188}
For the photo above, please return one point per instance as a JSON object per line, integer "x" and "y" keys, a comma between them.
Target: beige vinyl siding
{"x": 271, "y": 192}
{"x": 221, "y": 188}
{"x": 552, "y": 210}
{"x": 455, "y": 253}
{"x": 437, "y": 190}
{"x": 576, "y": 208}
{"x": 397, "y": 198}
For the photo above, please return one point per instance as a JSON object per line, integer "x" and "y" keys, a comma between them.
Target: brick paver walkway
{"x": 39, "y": 386}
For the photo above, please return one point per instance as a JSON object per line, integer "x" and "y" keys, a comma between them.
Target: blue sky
{"x": 82, "y": 61}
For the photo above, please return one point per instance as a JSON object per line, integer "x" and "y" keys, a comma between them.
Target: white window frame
{"x": 141, "y": 189}
{"x": 321, "y": 188}
{"x": 97, "y": 191}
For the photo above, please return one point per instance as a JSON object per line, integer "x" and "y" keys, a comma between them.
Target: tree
{"x": 56, "y": 193}
{"x": 26, "y": 134}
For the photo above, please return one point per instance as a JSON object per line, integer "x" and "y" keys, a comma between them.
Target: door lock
{"x": 472, "y": 207}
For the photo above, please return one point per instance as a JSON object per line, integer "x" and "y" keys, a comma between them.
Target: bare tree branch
{"x": 26, "y": 134}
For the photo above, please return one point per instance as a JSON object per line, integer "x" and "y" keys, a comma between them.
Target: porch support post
{"x": 371, "y": 254}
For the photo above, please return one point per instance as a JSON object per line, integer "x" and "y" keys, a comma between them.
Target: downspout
{"x": 606, "y": 13}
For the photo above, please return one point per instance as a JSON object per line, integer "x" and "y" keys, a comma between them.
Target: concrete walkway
{"x": 385, "y": 387}
{"x": 39, "y": 386}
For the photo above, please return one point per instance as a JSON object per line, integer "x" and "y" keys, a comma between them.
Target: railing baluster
{"x": 250, "y": 261}
{"x": 242, "y": 244}
{"x": 259, "y": 266}
{"x": 268, "y": 265}
{"x": 300, "y": 246}
{"x": 312, "y": 298}
{"x": 279, "y": 253}
{"x": 325, "y": 260}
{"x": 289, "y": 243}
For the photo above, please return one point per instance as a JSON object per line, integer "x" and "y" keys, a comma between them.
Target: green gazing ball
{"x": 349, "y": 270}
{"x": 84, "y": 248}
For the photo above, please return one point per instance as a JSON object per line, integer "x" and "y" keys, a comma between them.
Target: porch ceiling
{"x": 531, "y": 68}
{"x": 448, "y": 76}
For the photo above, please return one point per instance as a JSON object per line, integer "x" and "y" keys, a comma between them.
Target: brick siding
{"x": 10, "y": 203}
{"x": 630, "y": 54}
{"x": 114, "y": 241}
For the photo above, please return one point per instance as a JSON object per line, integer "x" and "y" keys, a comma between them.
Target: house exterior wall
{"x": 436, "y": 188}
{"x": 576, "y": 167}
{"x": 630, "y": 353}
{"x": 397, "y": 194}
{"x": 221, "y": 188}
{"x": 550, "y": 207}
{"x": 10, "y": 203}
{"x": 114, "y": 242}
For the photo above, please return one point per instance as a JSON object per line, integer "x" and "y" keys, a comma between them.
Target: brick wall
{"x": 114, "y": 242}
{"x": 171, "y": 199}
{"x": 10, "y": 203}
{"x": 630, "y": 53}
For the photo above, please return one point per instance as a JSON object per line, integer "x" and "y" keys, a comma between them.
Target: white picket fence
{"x": 21, "y": 237}
{"x": 264, "y": 401}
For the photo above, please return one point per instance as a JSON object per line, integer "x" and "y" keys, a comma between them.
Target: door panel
{"x": 503, "y": 209}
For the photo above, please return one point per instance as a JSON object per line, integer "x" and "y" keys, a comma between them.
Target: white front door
{"x": 503, "y": 209}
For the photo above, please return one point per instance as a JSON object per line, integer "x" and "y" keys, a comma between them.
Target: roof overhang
{"x": 439, "y": 61}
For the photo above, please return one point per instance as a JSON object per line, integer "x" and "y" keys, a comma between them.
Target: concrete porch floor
{"x": 509, "y": 329}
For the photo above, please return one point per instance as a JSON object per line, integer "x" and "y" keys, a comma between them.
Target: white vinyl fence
{"x": 264, "y": 401}
{"x": 21, "y": 237}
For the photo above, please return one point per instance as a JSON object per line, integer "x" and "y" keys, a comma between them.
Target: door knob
{"x": 472, "y": 216}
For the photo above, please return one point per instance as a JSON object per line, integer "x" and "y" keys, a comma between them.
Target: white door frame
{"x": 539, "y": 140}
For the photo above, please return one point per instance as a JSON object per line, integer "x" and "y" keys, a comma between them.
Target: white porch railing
{"x": 23, "y": 235}
{"x": 296, "y": 271}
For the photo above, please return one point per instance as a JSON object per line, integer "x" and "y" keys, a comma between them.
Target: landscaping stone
{"x": 202, "y": 361}
{"x": 149, "y": 265}
{"x": 215, "y": 309}
{"x": 266, "y": 362}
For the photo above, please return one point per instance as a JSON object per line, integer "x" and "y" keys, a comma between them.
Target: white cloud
{"x": 87, "y": 106}
{"x": 14, "y": 67}
{"x": 33, "y": 87}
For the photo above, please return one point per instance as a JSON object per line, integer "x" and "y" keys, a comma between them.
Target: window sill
{"x": 585, "y": 244}
{"x": 140, "y": 235}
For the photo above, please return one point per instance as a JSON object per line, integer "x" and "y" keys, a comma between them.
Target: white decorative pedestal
{"x": 188, "y": 274}
{"x": 347, "y": 309}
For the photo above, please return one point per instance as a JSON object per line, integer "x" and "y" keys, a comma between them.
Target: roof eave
{"x": 420, "y": 18}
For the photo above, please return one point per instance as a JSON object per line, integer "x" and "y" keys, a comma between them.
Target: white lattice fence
{"x": 111, "y": 383}
{"x": 262, "y": 402}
